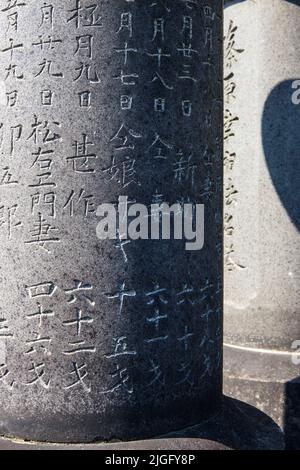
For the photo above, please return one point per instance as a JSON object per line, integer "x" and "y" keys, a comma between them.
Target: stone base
{"x": 238, "y": 427}
{"x": 266, "y": 381}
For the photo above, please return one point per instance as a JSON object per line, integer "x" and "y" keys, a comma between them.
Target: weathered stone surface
{"x": 262, "y": 303}
{"x": 107, "y": 339}
{"x": 238, "y": 426}
{"x": 151, "y": 444}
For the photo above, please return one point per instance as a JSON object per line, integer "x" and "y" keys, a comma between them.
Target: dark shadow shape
{"x": 281, "y": 143}
{"x": 230, "y": 3}
{"x": 292, "y": 415}
{"x": 239, "y": 426}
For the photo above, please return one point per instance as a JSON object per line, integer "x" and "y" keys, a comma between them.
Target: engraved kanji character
{"x": 38, "y": 371}
{"x": 208, "y": 188}
{"x": 126, "y": 23}
{"x": 13, "y": 4}
{"x": 230, "y": 263}
{"x": 82, "y": 158}
{"x": 11, "y": 72}
{"x": 47, "y": 11}
{"x": 13, "y": 47}
{"x": 185, "y": 295}
{"x": 204, "y": 291}
{"x": 187, "y": 26}
{"x": 126, "y": 51}
{"x": 121, "y": 294}
{"x": 38, "y": 342}
{"x": 127, "y": 79}
{"x": 123, "y": 172}
{"x": 49, "y": 199}
{"x": 46, "y": 66}
{"x": 187, "y": 51}
{"x": 159, "y": 105}
{"x": 6, "y": 178}
{"x": 157, "y": 296}
{"x": 162, "y": 3}
{"x": 209, "y": 12}
{"x": 126, "y": 136}
{"x": 9, "y": 219}
{"x": 85, "y": 45}
{"x": 41, "y": 314}
{"x": 5, "y": 332}
{"x": 158, "y": 148}
{"x": 15, "y": 136}
{"x": 157, "y": 318}
{"x": 126, "y": 102}
{"x": 229, "y": 120}
{"x": 208, "y": 37}
{"x": 85, "y": 16}
{"x": 229, "y": 87}
{"x": 185, "y": 370}
{"x": 43, "y": 289}
{"x": 185, "y": 338}
{"x": 12, "y": 98}
{"x": 78, "y": 321}
{"x": 79, "y": 347}
{"x": 230, "y": 193}
{"x": 156, "y": 373}
{"x": 190, "y": 4}
{"x": 12, "y": 20}
{"x": 46, "y": 97}
{"x": 121, "y": 242}
{"x": 85, "y": 98}
{"x": 5, "y": 376}
{"x": 85, "y": 70}
{"x": 187, "y": 108}
{"x": 231, "y": 52}
{"x": 44, "y": 162}
{"x": 159, "y": 29}
{"x": 87, "y": 199}
{"x": 42, "y": 128}
{"x": 79, "y": 292}
{"x": 184, "y": 169}
{"x": 46, "y": 43}
{"x": 123, "y": 381}
{"x": 121, "y": 348}
{"x": 229, "y": 159}
{"x": 41, "y": 234}
{"x": 228, "y": 224}
{"x": 158, "y": 77}
{"x": 159, "y": 55}
{"x": 156, "y": 339}
{"x": 80, "y": 375}
{"x": 186, "y": 73}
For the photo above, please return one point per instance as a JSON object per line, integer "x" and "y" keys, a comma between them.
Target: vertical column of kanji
{"x": 10, "y": 222}
{"x": 112, "y": 103}
{"x": 31, "y": 137}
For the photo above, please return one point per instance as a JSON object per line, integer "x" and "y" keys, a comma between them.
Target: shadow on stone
{"x": 240, "y": 427}
{"x": 281, "y": 141}
{"x": 292, "y": 415}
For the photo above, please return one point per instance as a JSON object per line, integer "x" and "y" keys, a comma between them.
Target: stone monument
{"x": 262, "y": 257}
{"x": 103, "y": 102}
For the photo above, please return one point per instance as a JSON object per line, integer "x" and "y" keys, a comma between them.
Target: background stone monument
{"x": 262, "y": 257}
{"x": 113, "y": 339}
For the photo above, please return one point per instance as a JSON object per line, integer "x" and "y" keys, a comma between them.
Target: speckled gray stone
{"x": 105, "y": 339}
{"x": 262, "y": 257}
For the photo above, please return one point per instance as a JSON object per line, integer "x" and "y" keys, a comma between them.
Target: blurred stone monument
{"x": 262, "y": 196}
{"x": 117, "y": 338}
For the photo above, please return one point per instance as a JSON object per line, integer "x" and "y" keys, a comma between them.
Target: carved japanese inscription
{"x": 101, "y": 101}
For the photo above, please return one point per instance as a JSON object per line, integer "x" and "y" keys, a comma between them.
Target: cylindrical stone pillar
{"x": 262, "y": 198}
{"x": 106, "y": 103}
